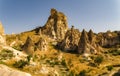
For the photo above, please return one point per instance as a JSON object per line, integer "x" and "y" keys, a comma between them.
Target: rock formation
{"x": 42, "y": 44}
{"x": 71, "y": 40}
{"x": 87, "y": 43}
{"x": 1, "y": 28}
{"x": 6, "y": 71}
{"x": 56, "y": 25}
{"x": 109, "y": 39}
{"x": 2, "y": 35}
{"x": 28, "y": 47}
{"x": 83, "y": 43}
{"x": 91, "y": 36}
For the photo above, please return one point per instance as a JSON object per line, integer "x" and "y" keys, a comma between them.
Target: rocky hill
{"x": 56, "y": 25}
{"x": 57, "y": 50}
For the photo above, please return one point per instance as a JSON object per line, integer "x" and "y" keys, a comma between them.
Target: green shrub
{"x": 109, "y": 68}
{"x": 63, "y": 62}
{"x": 82, "y": 73}
{"x": 98, "y": 59}
{"x": 6, "y": 54}
{"x": 114, "y": 52}
{"x": 71, "y": 74}
{"x": 28, "y": 58}
{"x": 17, "y": 48}
{"x": 20, "y": 63}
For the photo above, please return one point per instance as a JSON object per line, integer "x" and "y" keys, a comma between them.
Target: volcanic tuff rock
{"x": 56, "y": 25}
{"x": 42, "y": 44}
{"x": 6, "y": 71}
{"x": 109, "y": 39}
{"x": 83, "y": 43}
{"x": 28, "y": 47}
{"x": 2, "y": 35}
{"x": 71, "y": 40}
{"x": 87, "y": 43}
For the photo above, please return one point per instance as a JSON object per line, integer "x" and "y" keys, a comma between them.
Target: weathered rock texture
{"x": 42, "y": 44}
{"x": 28, "y": 47}
{"x": 2, "y": 35}
{"x": 6, "y": 71}
{"x": 109, "y": 39}
{"x": 87, "y": 43}
{"x": 71, "y": 40}
{"x": 56, "y": 25}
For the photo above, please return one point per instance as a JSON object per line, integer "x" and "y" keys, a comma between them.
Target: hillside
{"x": 57, "y": 50}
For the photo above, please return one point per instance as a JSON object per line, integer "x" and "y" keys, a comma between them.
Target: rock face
{"x": 6, "y": 71}
{"x": 109, "y": 39}
{"x": 71, "y": 40}
{"x": 42, "y": 44}
{"x": 1, "y": 28}
{"x": 56, "y": 25}
{"x": 28, "y": 47}
{"x": 83, "y": 43}
{"x": 2, "y": 35}
{"x": 87, "y": 43}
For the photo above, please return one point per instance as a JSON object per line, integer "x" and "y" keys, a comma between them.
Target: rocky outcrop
{"x": 42, "y": 44}
{"x": 28, "y": 47}
{"x": 109, "y": 39}
{"x": 83, "y": 43}
{"x": 91, "y": 36}
{"x": 2, "y": 35}
{"x": 87, "y": 43}
{"x": 1, "y": 28}
{"x": 71, "y": 40}
{"x": 6, "y": 71}
{"x": 56, "y": 25}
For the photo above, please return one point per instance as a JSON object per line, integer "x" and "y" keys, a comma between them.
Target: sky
{"x": 23, "y": 15}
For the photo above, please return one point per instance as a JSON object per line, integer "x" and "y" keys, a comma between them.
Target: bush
{"x": 6, "y": 54}
{"x": 63, "y": 62}
{"x": 71, "y": 74}
{"x": 98, "y": 59}
{"x": 114, "y": 52}
{"x": 28, "y": 58}
{"x": 20, "y": 63}
{"x": 82, "y": 73}
{"x": 17, "y": 48}
{"x": 109, "y": 68}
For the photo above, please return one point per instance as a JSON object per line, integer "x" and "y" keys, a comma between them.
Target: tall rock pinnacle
{"x": 90, "y": 36}
{"x": 28, "y": 47}
{"x": 56, "y": 25}
{"x": 82, "y": 45}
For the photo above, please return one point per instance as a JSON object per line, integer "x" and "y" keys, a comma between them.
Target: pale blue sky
{"x": 22, "y": 15}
